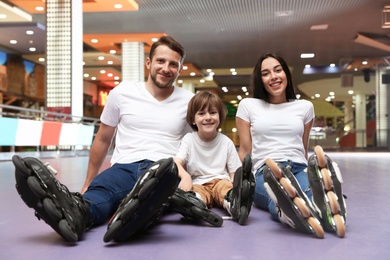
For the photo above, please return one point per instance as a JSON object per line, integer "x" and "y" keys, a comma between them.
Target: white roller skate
{"x": 293, "y": 206}
{"x": 325, "y": 180}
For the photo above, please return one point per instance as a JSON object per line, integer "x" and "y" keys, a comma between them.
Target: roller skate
{"x": 142, "y": 207}
{"x": 238, "y": 201}
{"x": 67, "y": 213}
{"x": 292, "y": 204}
{"x": 193, "y": 208}
{"x": 325, "y": 180}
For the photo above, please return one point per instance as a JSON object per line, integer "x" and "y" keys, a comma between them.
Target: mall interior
{"x": 59, "y": 59}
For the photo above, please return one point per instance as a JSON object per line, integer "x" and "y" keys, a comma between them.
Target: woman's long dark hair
{"x": 257, "y": 85}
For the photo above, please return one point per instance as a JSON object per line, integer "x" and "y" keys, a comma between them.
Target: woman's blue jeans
{"x": 261, "y": 198}
{"x": 110, "y": 187}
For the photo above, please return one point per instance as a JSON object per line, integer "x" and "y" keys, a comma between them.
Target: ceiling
{"x": 221, "y": 35}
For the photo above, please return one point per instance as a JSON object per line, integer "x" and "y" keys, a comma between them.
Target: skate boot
{"x": 67, "y": 213}
{"x": 142, "y": 207}
{"x": 238, "y": 201}
{"x": 191, "y": 207}
{"x": 325, "y": 180}
{"x": 292, "y": 204}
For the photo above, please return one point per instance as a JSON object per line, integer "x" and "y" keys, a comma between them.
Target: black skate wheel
{"x": 321, "y": 159}
{"x": 286, "y": 184}
{"x": 274, "y": 168}
{"x": 51, "y": 209}
{"x": 340, "y": 225}
{"x": 21, "y": 166}
{"x": 300, "y": 203}
{"x": 67, "y": 232}
{"x": 243, "y": 215}
{"x": 147, "y": 188}
{"x": 112, "y": 231}
{"x": 36, "y": 187}
{"x": 247, "y": 164}
{"x": 245, "y": 190}
{"x": 202, "y": 214}
{"x": 316, "y": 226}
{"x": 130, "y": 209}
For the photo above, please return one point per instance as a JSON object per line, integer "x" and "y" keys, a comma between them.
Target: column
{"x": 382, "y": 108}
{"x": 133, "y": 61}
{"x": 64, "y": 57}
{"x": 360, "y": 118}
{"x": 189, "y": 86}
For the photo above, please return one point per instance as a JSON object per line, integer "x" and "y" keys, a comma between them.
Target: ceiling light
{"x": 331, "y": 93}
{"x": 154, "y": 39}
{"x": 39, "y": 8}
{"x": 29, "y": 32}
{"x": 185, "y": 67}
{"x": 332, "y": 65}
{"x": 201, "y": 81}
{"x": 307, "y": 55}
{"x": 232, "y": 69}
{"x": 319, "y": 27}
{"x": 32, "y": 49}
{"x": 118, "y": 6}
{"x": 94, "y": 40}
{"x": 192, "y": 74}
{"x": 101, "y": 58}
{"x": 224, "y": 89}
{"x": 13, "y": 41}
{"x": 41, "y": 59}
{"x": 307, "y": 66}
{"x": 180, "y": 81}
{"x": 110, "y": 62}
{"x": 317, "y": 95}
{"x": 350, "y": 92}
{"x": 112, "y": 51}
{"x": 283, "y": 13}
{"x": 3, "y": 16}
{"x": 234, "y": 73}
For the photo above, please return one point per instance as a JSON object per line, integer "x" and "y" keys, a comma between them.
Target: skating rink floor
{"x": 366, "y": 184}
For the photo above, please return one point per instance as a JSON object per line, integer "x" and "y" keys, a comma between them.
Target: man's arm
{"x": 99, "y": 150}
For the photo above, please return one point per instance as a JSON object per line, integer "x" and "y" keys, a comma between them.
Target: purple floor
{"x": 366, "y": 184}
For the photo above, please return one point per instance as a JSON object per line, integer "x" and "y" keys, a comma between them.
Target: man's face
{"x": 165, "y": 66}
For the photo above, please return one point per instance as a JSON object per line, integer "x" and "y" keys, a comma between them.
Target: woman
{"x": 274, "y": 128}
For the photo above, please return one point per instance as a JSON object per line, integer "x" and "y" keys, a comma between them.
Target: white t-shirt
{"x": 146, "y": 128}
{"x": 276, "y": 129}
{"x": 206, "y": 161}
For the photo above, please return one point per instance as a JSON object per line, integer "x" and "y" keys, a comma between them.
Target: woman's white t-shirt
{"x": 206, "y": 161}
{"x": 276, "y": 129}
{"x": 146, "y": 128}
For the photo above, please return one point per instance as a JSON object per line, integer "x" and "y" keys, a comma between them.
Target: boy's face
{"x": 207, "y": 120}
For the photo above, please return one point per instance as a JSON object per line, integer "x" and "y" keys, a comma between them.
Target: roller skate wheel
{"x": 51, "y": 209}
{"x": 67, "y": 232}
{"x": 113, "y": 229}
{"x": 286, "y": 184}
{"x": 321, "y": 159}
{"x": 243, "y": 215}
{"x": 316, "y": 226}
{"x": 130, "y": 209}
{"x": 274, "y": 168}
{"x": 147, "y": 188}
{"x": 326, "y": 178}
{"x": 300, "y": 203}
{"x": 334, "y": 205}
{"x": 36, "y": 187}
{"x": 340, "y": 225}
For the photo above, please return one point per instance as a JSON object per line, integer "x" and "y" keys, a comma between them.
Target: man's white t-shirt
{"x": 276, "y": 129}
{"x": 206, "y": 161}
{"x": 146, "y": 128}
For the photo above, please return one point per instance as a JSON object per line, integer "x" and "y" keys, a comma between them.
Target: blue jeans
{"x": 261, "y": 198}
{"x": 110, "y": 187}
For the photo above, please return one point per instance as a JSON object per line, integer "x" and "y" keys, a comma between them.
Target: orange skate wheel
{"x": 340, "y": 225}
{"x": 333, "y": 203}
{"x": 300, "y": 203}
{"x": 286, "y": 184}
{"x": 274, "y": 168}
{"x": 326, "y": 178}
{"x": 321, "y": 159}
{"x": 315, "y": 224}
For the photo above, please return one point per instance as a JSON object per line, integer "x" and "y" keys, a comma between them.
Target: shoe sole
{"x": 327, "y": 192}
{"x": 35, "y": 185}
{"x": 143, "y": 204}
{"x": 286, "y": 192}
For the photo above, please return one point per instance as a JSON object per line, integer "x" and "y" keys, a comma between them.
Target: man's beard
{"x": 159, "y": 84}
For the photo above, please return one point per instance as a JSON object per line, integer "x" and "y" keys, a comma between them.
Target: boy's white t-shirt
{"x": 146, "y": 128}
{"x": 206, "y": 161}
{"x": 276, "y": 129}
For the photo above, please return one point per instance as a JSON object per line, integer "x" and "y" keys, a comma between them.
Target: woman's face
{"x": 274, "y": 80}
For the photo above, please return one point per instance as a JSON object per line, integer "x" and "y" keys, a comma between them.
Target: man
{"x": 148, "y": 120}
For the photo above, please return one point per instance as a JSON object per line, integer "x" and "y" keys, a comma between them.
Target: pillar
{"x": 64, "y": 57}
{"x": 133, "y": 61}
{"x": 361, "y": 122}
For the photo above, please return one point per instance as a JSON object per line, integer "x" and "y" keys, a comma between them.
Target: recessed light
{"x": 283, "y": 13}
{"x": 307, "y": 55}
{"x": 319, "y": 27}
{"x": 13, "y": 41}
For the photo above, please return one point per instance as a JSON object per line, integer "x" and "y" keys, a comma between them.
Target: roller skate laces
{"x": 292, "y": 205}
{"x": 325, "y": 180}
{"x": 66, "y": 212}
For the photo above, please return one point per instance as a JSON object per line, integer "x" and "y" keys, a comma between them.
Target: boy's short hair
{"x": 201, "y": 101}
